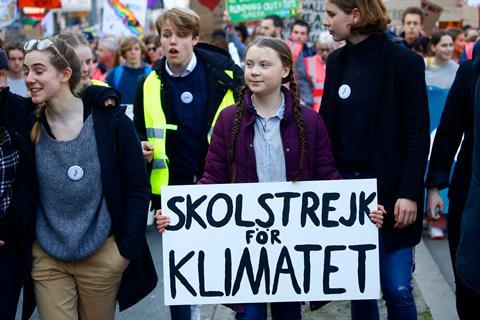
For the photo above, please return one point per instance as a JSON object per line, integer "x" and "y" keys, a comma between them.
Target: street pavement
{"x": 433, "y": 289}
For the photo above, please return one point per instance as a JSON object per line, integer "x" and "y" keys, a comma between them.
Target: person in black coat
{"x": 376, "y": 111}
{"x": 468, "y": 256}
{"x": 455, "y": 130}
{"x": 17, "y": 192}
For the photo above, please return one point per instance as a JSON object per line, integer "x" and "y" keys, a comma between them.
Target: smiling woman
{"x": 92, "y": 210}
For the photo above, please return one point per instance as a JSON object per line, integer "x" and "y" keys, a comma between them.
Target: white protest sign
{"x": 124, "y": 17}
{"x": 8, "y": 12}
{"x": 270, "y": 242}
{"x": 314, "y": 14}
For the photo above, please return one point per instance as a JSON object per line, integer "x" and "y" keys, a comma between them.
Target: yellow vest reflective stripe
{"x": 156, "y": 126}
{"x": 228, "y": 100}
{"x": 99, "y": 83}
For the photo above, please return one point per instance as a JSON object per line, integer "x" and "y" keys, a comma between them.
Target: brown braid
{"x": 298, "y": 121}
{"x": 236, "y": 128}
{"x": 35, "y": 133}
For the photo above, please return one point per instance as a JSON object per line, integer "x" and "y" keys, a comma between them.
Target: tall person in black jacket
{"x": 455, "y": 130}
{"x": 375, "y": 108}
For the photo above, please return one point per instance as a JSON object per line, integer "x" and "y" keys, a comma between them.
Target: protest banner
{"x": 211, "y": 16}
{"x": 45, "y": 4}
{"x": 124, "y": 17}
{"x": 246, "y": 10}
{"x": 8, "y": 12}
{"x": 259, "y": 242}
{"x": 314, "y": 14}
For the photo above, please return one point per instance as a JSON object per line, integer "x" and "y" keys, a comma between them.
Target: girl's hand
{"x": 161, "y": 221}
{"x": 376, "y": 216}
{"x": 405, "y": 213}
{"x": 435, "y": 205}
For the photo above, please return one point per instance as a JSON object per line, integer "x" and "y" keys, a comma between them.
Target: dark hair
{"x": 301, "y": 23}
{"x": 243, "y": 31}
{"x": 454, "y": 32}
{"x": 373, "y": 15}
{"x": 285, "y": 56}
{"x": 437, "y": 36}
{"x": 420, "y": 45}
{"x": 413, "y": 10}
{"x": 277, "y": 21}
{"x": 152, "y": 38}
{"x": 14, "y": 46}
{"x": 64, "y": 58}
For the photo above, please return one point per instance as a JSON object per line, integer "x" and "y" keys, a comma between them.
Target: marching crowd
{"x": 253, "y": 105}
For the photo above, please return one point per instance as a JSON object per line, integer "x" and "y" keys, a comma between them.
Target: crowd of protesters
{"x": 253, "y": 104}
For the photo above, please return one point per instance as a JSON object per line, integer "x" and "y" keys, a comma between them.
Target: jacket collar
{"x": 250, "y": 109}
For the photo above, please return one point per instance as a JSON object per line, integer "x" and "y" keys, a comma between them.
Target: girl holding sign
{"x": 376, "y": 111}
{"x": 268, "y": 137}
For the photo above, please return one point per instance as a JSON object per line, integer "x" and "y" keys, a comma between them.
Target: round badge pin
{"x": 344, "y": 91}
{"x": 186, "y": 97}
{"x": 75, "y": 173}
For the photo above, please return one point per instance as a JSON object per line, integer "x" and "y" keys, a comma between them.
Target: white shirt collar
{"x": 191, "y": 65}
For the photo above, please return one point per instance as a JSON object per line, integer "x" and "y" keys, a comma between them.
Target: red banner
{"x": 46, "y": 4}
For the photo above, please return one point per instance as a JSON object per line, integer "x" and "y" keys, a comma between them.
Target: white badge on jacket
{"x": 344, "y": 91}
{"x": 186, "y": 97}
{"x": 75, "y": 173}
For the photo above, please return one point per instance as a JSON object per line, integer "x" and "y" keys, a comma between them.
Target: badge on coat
{"x": 344, "y": 91}
{"x": 186, "y": 97}
{"x": 75, "y": 173}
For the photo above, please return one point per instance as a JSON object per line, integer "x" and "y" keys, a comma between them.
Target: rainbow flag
{"x": 128, "y": 18}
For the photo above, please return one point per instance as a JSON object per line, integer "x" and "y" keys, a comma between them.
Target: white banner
{"x": 259, "y": 242}
{"x": 8, "y": 12}
{"x": 124, "y": 17}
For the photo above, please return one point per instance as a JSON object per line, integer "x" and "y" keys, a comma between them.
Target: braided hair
{"x": 285, "y": 56}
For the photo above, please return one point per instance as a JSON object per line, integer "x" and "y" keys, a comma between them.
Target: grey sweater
{"x": 72, "y": 217}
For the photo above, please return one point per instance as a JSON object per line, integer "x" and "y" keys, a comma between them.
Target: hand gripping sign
{"x": 270, "y": 242}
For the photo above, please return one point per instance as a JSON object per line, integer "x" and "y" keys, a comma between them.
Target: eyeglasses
{"x": 151, "y": 49}
{"x": 43, "y": 45}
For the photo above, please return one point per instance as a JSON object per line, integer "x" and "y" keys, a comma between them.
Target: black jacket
{"x": 14, "y": 117}
{"x": 468, "y": 255}
{"x": 399, "y": 137}
{"x": 456, "y": 121}
{"x": 218, "y": 83}
{"x": 126, "y": 188}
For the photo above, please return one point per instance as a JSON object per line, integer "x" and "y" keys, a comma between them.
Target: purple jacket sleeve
{"x": 324, "y": 161}
{"x": 216, "y": 166}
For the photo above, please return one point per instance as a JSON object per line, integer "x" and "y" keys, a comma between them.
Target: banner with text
{"x": 245, "y": 10}
{"x": 259, "y": 242}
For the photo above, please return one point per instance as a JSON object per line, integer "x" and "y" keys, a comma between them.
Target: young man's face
{"x": 177, "y": 45}
{"x": 412, "y": 26}
{"x": 299, "y": 34}
{"x": 15, "y": 60}
{"x": 267, "y": 28}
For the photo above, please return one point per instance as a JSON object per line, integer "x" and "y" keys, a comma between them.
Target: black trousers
{"x": 467, "y": 301}
{"x": 10, "y": 274}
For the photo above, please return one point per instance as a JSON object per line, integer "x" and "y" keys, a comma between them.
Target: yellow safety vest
{"x": 156, "y": 126}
